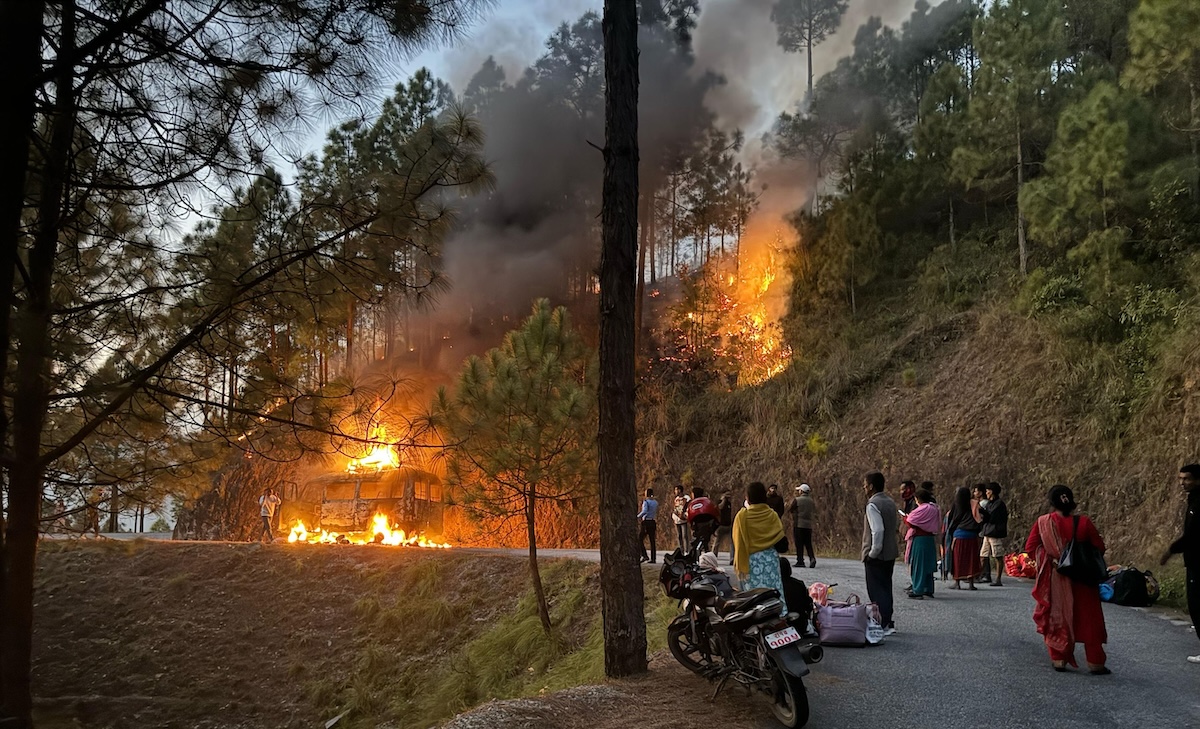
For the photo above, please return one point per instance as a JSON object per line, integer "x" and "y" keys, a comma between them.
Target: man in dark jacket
{"x": 994, "y": 531}
{"x": 1189, "y": 544}
{"x": 774, "y": 500}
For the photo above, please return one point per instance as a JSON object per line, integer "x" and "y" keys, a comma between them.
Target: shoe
{"x": 888, "y": 631}
{"x": 799, "y": 563}
{"x": 1193, "y": 659}
{"x": 997, "y": 584}
{"x": 651, "y": 561}
{"x": 1101, "y": 671}
{"x": 643, "y": 559}
{"x": 985, "y": 578}
{"x": 911, "y": 596}
{"x": 812, "y": 564}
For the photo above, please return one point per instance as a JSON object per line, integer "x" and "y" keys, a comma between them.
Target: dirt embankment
{"x": 186, "y": 634}
{"x": 225, "y": 635}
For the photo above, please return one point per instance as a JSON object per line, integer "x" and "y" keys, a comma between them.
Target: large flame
{"x": 381, "y": 456}
{"x": 380, "y": 533}
{"x": 742, "y": 314}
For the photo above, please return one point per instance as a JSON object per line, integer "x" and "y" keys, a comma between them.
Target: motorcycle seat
{"x": 746, "y": 600}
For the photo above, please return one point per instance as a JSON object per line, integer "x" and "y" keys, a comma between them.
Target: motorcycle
{"x": 740, "y": 636}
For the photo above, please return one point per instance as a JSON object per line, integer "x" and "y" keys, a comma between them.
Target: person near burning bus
{"x": 267, "y": 504}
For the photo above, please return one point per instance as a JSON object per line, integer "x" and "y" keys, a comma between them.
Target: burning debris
{"x": 380, "y": 533}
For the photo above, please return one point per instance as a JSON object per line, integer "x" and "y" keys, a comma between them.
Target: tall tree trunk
{"x": 953, "y": 243}
{"x": 535, "y": 575}
{"x": 31, "y": 390}
{"x": 620, "y": 574}
{"x": 20, "y": 56}
{"x": 639, "y": 311}
{"x": 810, "y": 65}
{"x": 653, "y": 240}
{"x": 114, "y": 513}
{"x": 1021, "y": 248}
{"x": 350, "y": 312}
{"x": 1194, "y": 135}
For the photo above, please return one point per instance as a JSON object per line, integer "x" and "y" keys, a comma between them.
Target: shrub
{"x": 816, "y": 445}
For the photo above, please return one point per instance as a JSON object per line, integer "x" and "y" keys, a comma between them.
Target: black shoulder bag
{"x": 1081, "y": 562}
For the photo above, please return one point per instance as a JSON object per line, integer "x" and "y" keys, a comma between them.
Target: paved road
{"x": 973, "y": 659}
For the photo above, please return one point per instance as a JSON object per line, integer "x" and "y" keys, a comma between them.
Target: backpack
{"x": 1132, "y": 587}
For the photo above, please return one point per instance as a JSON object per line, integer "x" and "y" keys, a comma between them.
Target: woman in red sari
{"x": 1066, "y": 612}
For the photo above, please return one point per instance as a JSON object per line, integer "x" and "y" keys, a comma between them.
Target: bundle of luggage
{"x": 1129, "y": 586}
{"x": 1020, "y": 565}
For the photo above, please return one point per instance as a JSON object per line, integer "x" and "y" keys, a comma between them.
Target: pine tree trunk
{"x": 620, "y": 573}
{"x": 810, "y": 64}
{"x": 20, "y": 56}
{"x": 1021, "y": 248}
{"x": 31, "y": 395}
{"x": 639, "y": 311}
{"x": 114, "y": 524}
{"x": 534, "y": 574}
{"x": 349, "y": 336}
{"x": 953, "y": 243}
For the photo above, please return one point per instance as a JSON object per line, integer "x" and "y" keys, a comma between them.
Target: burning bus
{"x": 376, "y": 499}
{"x": 409, "y": 497}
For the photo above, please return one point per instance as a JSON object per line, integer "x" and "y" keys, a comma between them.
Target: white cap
{"x": 805, "y": 488}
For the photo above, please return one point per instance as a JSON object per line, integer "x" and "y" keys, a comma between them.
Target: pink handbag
{"x": 843, "y": 623}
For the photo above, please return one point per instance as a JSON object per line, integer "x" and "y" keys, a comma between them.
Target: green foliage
{"x": 1018, "y": 138}
{"x": 908, "y": 376}
{"x": 520, "y": 422}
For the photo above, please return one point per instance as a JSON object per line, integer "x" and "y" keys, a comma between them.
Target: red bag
{"x": 1020, "y": 565}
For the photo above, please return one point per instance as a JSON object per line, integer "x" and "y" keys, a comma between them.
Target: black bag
{"x": 1081, "y": 562}
{"x": 1131, "y": 587}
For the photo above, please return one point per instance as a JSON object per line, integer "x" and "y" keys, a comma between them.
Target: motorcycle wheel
{"x": 681, "y": 646}
{"x": 791, "y": 700}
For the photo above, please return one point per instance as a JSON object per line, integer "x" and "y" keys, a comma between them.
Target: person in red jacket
{"x": 1066, "y": 611}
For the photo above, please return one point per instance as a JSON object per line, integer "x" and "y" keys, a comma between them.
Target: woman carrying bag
{"x": 1067, "y": 611}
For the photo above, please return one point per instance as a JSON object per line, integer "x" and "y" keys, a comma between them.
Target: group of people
{"x": 969, "y": 538}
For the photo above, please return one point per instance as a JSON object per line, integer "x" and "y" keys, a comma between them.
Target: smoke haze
{"x": 519, "y": 242}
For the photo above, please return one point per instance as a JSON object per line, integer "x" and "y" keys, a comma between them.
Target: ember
{"x": 380, "y": 533}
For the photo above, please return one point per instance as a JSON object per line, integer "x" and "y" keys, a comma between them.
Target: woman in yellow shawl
{"x": 756, "y": 531}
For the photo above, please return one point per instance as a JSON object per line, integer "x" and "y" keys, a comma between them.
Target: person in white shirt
{"x": 267, "y": 503}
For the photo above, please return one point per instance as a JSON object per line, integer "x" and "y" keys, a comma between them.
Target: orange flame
{"x": 380, "y": 533}
{"x": 381, "y": 456}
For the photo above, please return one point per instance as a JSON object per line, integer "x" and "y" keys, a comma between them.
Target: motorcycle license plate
{"x": 783, "y": 637}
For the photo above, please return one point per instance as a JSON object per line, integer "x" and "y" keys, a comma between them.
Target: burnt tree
{"x": 620, "y": 575}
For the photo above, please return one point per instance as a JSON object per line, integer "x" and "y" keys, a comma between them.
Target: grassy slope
{"x": 987, "y": 396}
{"x": 224, "y": 635}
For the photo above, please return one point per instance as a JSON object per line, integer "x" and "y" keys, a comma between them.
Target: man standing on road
{"x": 994, "y": 531}
{"x": 267, "y": 503}
{"x": 1189, "y": 544}
{"x": 802, "y": 510}
{"x": 775, "y": 501}
{"x": 647, "y": 526}
{"x": 880, "y": 547}
{"x": 679, "y": 518}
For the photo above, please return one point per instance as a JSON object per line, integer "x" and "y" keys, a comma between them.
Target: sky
{"x": 735, "y": 38}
